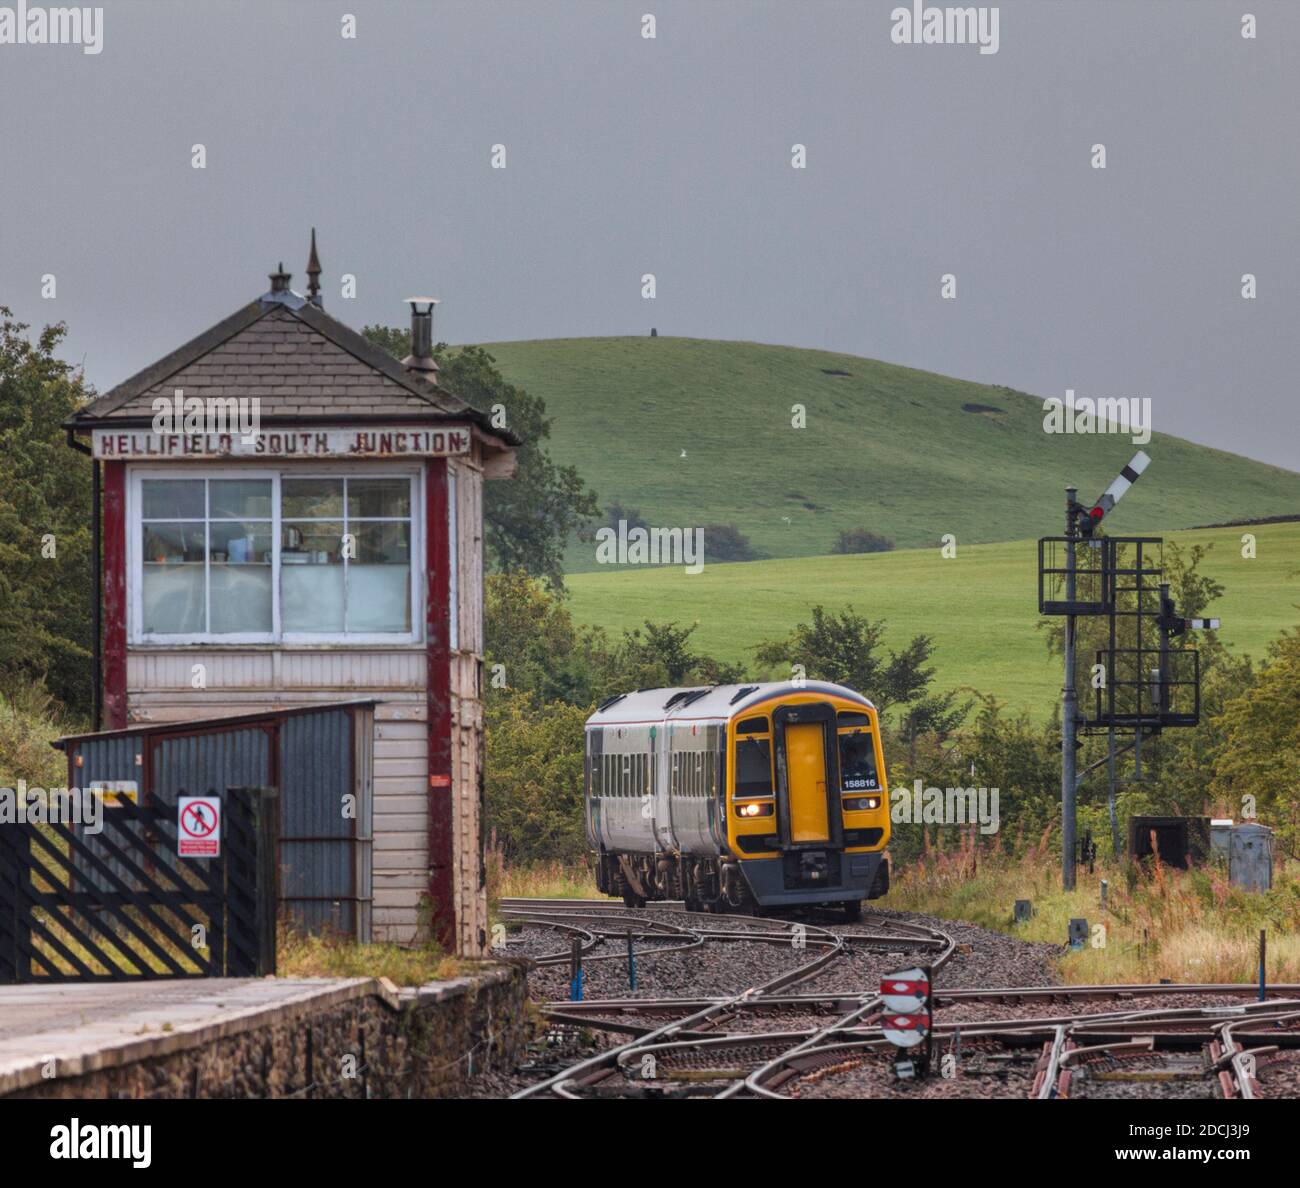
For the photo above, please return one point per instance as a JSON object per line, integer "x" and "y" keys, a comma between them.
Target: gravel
{"x": 716, "y": 969}
{"x": 1191, "y": 1078}
{"x": 988, "y": 1070}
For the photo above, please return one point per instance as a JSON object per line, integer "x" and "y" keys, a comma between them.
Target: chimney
{"x": 421, "y": 356}
{"x": 280, "y": 280}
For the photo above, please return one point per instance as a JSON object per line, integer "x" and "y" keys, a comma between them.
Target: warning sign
{"x": 199, "y": 827}
{"x": 114, "y": 792}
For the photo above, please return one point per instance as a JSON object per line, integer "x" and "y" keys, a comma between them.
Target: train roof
{"x": 693, "y": 702}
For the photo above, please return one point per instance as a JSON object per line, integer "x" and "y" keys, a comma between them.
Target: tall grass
{"x": 540, "y": 880}
{"x": 29, "y": 720}
{"x": 1159, "y": 922}
{"x": 329, "y": 955}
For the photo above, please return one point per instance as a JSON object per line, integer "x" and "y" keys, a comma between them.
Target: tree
{"x": 1261, "y": 753}
{"x": 529, "y": 519}
{"x": 662, "y": 658}
{"x": 44, "y": 520}
{"x": 533, "y": 777}
{"x": 531, "y": 635}
{"x": 847, "y": 649}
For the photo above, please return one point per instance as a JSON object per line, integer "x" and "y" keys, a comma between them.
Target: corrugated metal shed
{"x": 321, "y": 759}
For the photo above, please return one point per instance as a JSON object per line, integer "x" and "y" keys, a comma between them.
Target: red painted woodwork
{"x": 438, "y": 646}
{"x": 113, "y": 528}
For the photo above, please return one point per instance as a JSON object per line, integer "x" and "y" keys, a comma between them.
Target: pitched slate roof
{"x": 302, "y": 365}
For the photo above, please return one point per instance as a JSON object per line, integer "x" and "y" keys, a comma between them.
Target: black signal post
{"x": 1069, "y": 700}
{"x": 1080, "y": 521}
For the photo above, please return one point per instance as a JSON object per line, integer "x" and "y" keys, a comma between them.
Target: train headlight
{"x": 858, "y": 804}
{"x": 754, "y": 809}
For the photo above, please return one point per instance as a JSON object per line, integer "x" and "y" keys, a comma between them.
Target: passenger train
{"x": 745, "y": 798}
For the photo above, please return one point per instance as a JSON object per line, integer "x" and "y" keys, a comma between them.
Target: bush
{"x": 533, "y": 777}
{"x": 859, "y": 540}
{"x": 726, "y": 542}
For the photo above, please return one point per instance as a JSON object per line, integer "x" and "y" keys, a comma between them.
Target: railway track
{"x": 783, "y": 1035}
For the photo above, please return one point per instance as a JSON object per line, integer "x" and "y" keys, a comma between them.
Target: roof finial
{"x": 313, "y": 273}
{"x": 280, "y": 279}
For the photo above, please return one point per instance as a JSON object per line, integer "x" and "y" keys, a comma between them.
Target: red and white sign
{"x": 904, "y": 992}
{"x": 905, "y": 1031}
{"x": 198, "y": 833}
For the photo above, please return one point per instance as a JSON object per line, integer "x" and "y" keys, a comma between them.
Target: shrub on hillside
{"x": 859, "y": 540}
{"x": 631, "y": 515}
{"x": 726, "y": 542}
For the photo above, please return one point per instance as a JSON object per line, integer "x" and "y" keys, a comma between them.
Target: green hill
{"x": 980, "y": 606}
{"x": 900, "y": 452}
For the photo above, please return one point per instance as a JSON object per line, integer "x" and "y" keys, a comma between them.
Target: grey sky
{"x": 672, "y": 156}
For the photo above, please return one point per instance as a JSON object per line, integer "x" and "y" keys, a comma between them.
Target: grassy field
{"x": 980, "y": 606}
{"x": 886, "y": 448}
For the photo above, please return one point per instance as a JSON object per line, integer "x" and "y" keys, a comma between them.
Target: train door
{"x": 807, "y": 775}
{"x": 661, "y": 801}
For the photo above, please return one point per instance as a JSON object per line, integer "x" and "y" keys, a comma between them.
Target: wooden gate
{"x": 119, "y": 903}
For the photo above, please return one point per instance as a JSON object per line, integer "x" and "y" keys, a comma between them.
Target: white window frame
{"x": 276, "y": 637}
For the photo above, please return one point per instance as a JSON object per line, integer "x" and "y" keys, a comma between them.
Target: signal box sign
{"x": 198, "y": 832}
{"x": 327, "y": 441}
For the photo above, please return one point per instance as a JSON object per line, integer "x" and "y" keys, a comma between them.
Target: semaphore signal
{"x": 1090, "y": 518}
{"x": 1148, "y": 673}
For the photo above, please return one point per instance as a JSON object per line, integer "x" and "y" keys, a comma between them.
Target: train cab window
{"x": 753, "y": 766}
{"x": 857, "y": 761}
{"x": 753, "y": 726}
{"x": 852, "y": 718}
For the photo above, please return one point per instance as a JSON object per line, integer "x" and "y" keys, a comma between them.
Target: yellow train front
{"x": 739, "y": 797}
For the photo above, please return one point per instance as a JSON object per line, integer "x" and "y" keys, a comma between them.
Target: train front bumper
{"x": 833, "y": 876}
